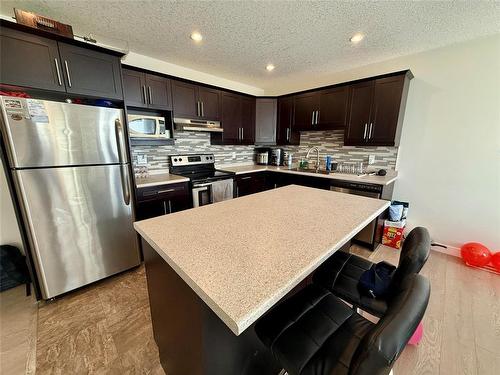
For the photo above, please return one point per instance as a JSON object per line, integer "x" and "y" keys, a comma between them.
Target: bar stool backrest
{"x": 381, "y": 347}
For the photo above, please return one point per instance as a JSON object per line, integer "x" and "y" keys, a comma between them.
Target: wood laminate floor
{"x": 106, "y": 328}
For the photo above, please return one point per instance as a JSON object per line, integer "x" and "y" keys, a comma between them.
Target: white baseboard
{"x": 450, "y": 250}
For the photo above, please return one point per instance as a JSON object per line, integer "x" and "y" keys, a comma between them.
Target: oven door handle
{"x": 201, "y": 185}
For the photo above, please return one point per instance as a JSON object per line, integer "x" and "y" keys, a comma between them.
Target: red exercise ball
{"x": 495, "y": 260}
{"x": 475, "y": 254}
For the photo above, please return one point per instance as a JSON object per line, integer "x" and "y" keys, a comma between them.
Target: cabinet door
{"x": 286, "y": 135}
{"x": 265, "y": 121}
{"x": 88, "y": 72}
{"x": 250, "y": 183}
{"x": 385, "y": 114}
{"x": 29, "y": 60}
{"x": 184, "y": 100}
{"x": 158, "y": 92}
{"x": 179, "y": 203}
{"x": 305, "y": 107}
{"x": 231, "y": 118}
{"x": 147, "y": 210}
{"x": 210, "y": 103}
{"x": 247, "y": 120}
{"x": 360, "y": 102}
{"x": 333, "y": 108}
{"x": 134, "y": 88}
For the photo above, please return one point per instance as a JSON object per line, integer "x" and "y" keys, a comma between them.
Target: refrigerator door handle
{"x": 120, "y": 143}
{"x": 124, "y": 173}
{"x": 125, "y": 178}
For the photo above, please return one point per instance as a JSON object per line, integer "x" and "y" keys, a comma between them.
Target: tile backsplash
{"x": 328, "y": 142}
{"x": 331, "y": 142}
{"x": 192, "y": 143}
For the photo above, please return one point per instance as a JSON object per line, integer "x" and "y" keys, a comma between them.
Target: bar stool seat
{"x": 316, "y": 333}
{"x": 342, "y": 271}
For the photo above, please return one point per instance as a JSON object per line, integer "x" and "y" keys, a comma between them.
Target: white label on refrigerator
{"x": 37, "y": 111}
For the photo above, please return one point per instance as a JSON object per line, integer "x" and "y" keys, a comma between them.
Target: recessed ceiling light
{"x": 270, "y": 67}
{"x": 196, "y": 36}
{"x": 356, "y": 38}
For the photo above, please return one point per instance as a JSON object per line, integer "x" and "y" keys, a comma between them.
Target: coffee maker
{"x": 262, "y": 157}
{"x": 277, "y": 155}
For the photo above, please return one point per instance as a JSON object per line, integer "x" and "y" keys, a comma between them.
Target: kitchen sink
{"x": 312, "y": 170}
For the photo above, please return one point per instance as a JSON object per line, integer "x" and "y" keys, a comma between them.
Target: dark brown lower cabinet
{"x": 162, "y": 200}
{"x": 250, "y": 183}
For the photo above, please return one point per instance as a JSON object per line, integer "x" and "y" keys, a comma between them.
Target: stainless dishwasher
{"x": 367, "y": 235}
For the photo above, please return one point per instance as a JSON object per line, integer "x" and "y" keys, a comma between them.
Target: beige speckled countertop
{"x": 251, "y": 251}
{"x": 159, "y": 179}
{"x": 379, "y": 180}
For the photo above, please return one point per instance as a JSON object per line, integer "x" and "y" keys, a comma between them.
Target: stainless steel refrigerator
{"x": 71, "y": 174}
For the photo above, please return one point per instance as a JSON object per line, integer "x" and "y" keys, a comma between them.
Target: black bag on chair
{"x": 376, "y": 281}
{"x": 13, "y": 268}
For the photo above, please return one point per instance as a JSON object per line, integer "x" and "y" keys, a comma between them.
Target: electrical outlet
{"x": 142, "y": 160}
{"x": 234, "y": 155}
{"x": 371, "y": 159}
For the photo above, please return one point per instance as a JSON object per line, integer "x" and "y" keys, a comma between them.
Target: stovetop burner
{"x": 198, "y": 168}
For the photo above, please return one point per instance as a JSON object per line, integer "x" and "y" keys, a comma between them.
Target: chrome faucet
{"x": 317, "y": 156}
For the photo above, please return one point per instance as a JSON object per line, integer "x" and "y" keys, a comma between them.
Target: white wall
{"x": 9, "y": 231}
{"x": 449, "y": 159}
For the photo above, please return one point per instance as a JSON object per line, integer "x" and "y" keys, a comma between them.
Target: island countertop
{"x": 245, "y": 254}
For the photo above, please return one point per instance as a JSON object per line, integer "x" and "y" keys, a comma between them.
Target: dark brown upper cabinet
{"x": 89, "y": 72}
{"x": 238, "y": 119}
{"x": 285, "y": 132}
{"x": 306, "y": 108}
{"x": 33, "y": 61}
{"x": 29, "y": 60}
{"x": 266, "y": 115}
{"x": 231, "y": 118}
{"x": 146, "y": 90}
{"x": 247, "y": 120}
{"x": 195, "y": 101}
{"x": 332, "y": 110}
{"x": 376, "y": 111}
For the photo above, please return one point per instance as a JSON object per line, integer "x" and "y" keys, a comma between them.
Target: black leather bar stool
{"x": 315, "y": 332}
{"x": 341, "y": 272}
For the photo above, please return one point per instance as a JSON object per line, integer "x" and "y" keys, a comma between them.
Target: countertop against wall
{"x": 378, "y": 180}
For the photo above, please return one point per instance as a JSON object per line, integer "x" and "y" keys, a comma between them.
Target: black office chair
{"x": 341, "y": 272}
{"x": 314, "y": 332}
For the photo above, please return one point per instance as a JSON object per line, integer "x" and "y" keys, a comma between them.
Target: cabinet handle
{"x": 144, "y": 93}
{"x": 67, "y": 72}
{"x": 169, "y": 207}
{"x": 370, "y": 131}
{"x": 246, "y": 178}
{"x": 364, "y": 134}
{"x": 164, "y": 208}
{"x": 242, "y": 134}
{"x": 198, "y": 112}
{"x": 288, "y": 134}
{"x": 202, "y": 110}
{"x": 165, "y": 191}
{"x": 312, "y": 118}
{"x": 237, "y": 192}
{"x": 58, "y": 72}
{"x": 150, "y": 95}
{"x": 317, "y": 117}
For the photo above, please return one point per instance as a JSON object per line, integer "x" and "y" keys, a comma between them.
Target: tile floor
{"x": 106, "y": 328}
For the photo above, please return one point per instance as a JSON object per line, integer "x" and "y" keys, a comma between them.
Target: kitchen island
{"x": 215, "y": 270}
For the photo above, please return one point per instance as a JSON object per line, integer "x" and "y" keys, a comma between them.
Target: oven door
{"x": 202, "y": 194}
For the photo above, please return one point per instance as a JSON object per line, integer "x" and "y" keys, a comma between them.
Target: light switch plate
{"x": 142, "y": 160}
{"x": 371, "y": 159}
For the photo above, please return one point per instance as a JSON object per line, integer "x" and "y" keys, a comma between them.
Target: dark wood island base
{"x": 191, "y": 339}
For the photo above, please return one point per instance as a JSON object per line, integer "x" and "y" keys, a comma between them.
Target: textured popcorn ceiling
{"x": 301, "y": 38}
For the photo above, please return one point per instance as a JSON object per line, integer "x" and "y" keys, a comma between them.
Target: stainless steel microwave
{"x": 145, "y": 126}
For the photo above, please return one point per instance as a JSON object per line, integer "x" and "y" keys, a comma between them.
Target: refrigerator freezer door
{"x": 80, "y": 226}
{"x": 50, "y": 134}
